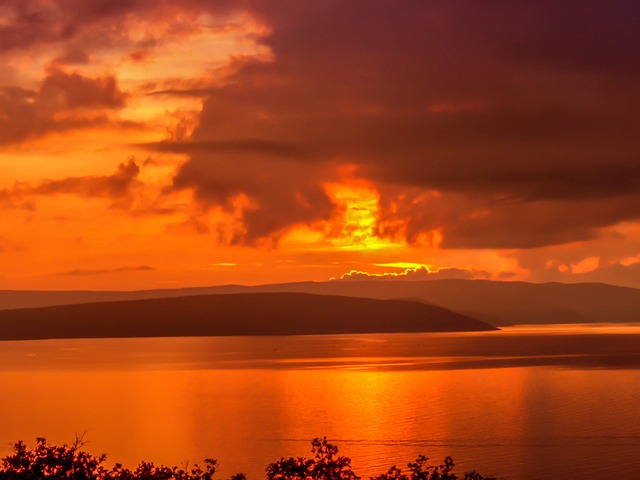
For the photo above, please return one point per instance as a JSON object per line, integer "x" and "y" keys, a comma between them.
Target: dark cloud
{"x": 523, "y": 114}
{"x": 192, "y": 225}
{"x": 245, "y": 145}
{"x": 12, "y": 198}
{"x": 536, "y": 223}
{"x": 275, "y": 192}
{"x": 33, "y": 24}
{"x": 198, "y": 92}
{"x": 28, "y": 25}
{"x": 118, "y": 187}
{"x": 473, "y": 220}
{"x": 140, "y": 268}
{"x": 64, "y": 101}
{"x": 72, "y": 56}
{"x": 72, "y": 90}
{"x": 112, "y": 186}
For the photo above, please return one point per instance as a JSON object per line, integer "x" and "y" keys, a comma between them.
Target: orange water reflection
{"x": 137, "y": 403}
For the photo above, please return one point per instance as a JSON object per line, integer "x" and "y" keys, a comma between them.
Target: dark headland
{"x": 232, "y": 314}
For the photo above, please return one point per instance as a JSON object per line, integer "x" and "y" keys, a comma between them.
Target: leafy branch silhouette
{"x": 70, "y": 462}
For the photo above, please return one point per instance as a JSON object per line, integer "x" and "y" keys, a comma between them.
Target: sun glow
{"x": 405, "y": 265}
{"x": 359, "y": 207}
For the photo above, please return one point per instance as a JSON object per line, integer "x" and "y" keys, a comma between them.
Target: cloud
{"x": 12, "y": 198}
{"x": 99, "y": 24}
{"x": 32, "y": 24}
{"x": 118, "y": 187}
{"x": 536, "y": 146}
{"x": 64, "y": 101}
{"x": 521, "y": 116}
{"x": 417, "y": 274}
{"x": 72, "y": 91}
{"x": 140, "y": 268}
{"x": 244, "y": 145}
{"x": 191, "y": 226}
{"x": 268, "y": 197}
{"x": 472, "y": 220}
{"x": 112, "y": 186}
{"x": 74, "y": 56}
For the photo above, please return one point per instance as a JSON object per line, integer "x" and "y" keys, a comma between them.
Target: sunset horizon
{"x": 154, "y": 145}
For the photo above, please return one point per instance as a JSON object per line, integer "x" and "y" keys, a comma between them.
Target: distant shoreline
{"x": 493, "y": 302}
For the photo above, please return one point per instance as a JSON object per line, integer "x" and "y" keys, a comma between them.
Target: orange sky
{"x": 163, "y": 144}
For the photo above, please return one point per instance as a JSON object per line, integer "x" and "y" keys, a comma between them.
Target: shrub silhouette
{"x": 419, "y": 470}
{"x": 70, "y": 462}
{"x": 46, "y": 461}
{"x": 327, "y": 465}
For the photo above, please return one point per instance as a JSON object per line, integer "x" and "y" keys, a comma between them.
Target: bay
{"x": 522, "y": 403}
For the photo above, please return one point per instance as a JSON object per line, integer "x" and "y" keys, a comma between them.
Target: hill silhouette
{"x": 502, "y": 303}
{"x": 232, "y": 314}
{"x": 498, "y": 303}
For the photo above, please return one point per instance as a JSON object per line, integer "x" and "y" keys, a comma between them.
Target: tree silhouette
{"x": 69, "y": 462}
{"x": 420, "y": 470}
{"x": 325, "y": 465}
{"x": 47, "y": 461}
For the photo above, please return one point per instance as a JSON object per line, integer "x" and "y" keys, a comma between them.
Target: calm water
{"x": 524, "y": 403}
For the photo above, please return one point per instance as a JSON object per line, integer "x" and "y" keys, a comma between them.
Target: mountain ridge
{"x": 497, "y": 302}
{"x": 230, "y": 315}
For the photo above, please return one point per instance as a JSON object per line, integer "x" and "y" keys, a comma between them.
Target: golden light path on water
{"x": 576, "y": 329}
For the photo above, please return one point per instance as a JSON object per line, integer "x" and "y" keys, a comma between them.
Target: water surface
{"x": 523, "y": 403}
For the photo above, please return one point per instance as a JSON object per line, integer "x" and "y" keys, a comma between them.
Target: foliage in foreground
{"x": 69, "y": 462}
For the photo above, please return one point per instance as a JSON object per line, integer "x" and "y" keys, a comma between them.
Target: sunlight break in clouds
{"x": 423, "y": 272}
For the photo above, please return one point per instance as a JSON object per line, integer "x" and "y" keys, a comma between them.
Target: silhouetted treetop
{"x": 326, "y": 464}
{"x": 70, "y": 462}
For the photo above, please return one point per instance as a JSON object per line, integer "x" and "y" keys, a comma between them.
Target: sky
{"x": 161, "y": 144}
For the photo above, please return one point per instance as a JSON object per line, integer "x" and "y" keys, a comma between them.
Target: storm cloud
{"x": 522, "y": 115}
{"x": 118, "y": 187}
{"x": 64, "y": 101}
{"x": 499, "y": 138}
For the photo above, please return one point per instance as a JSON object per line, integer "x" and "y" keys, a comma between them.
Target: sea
{"x": 522, "y": 403}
